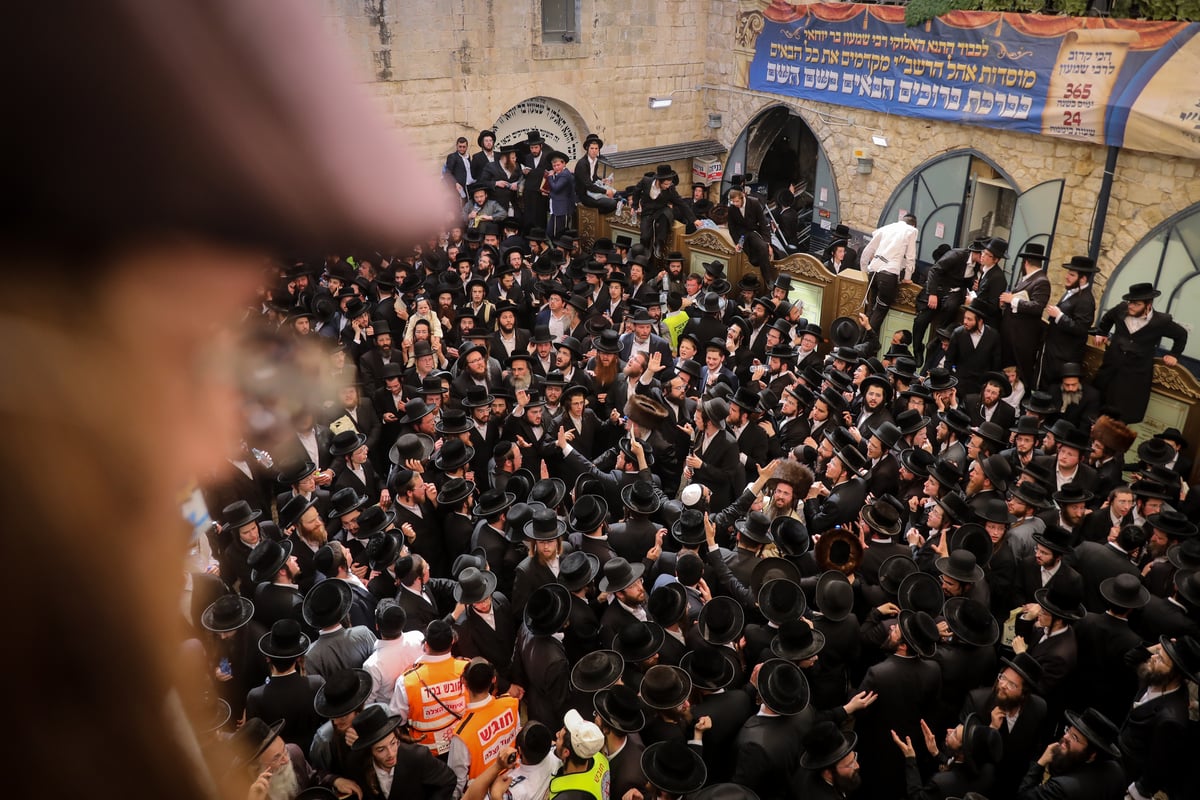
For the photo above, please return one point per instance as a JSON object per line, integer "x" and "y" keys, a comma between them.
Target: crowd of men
{"x": 569, "y": 521}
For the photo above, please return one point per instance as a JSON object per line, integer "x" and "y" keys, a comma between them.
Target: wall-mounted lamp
{"x": 865, "y": 165}
{"x": 879, "y": 141}
{"x": 660, "y": 102}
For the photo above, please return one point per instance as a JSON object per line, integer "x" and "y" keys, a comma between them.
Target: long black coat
{"x": 540, "y": 665}
{"x": 908, "y": 690}
{"x": 1127, "y": 371}
{"x": 1022, "y": 330}
{"x": 1066, "y": 337}
{"x": 969, "y": 361}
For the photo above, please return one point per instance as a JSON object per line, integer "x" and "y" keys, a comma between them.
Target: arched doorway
{"x": 560, "y": 125}
{"x": 779, "y": 149}
{"x": 963, "y": 195}
{"x": 1169, "y": 258}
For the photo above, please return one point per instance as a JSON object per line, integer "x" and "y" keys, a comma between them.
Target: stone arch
{"x": 563, "y": 127}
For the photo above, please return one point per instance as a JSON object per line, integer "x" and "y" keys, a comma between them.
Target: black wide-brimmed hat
{"x": 954, "y": 504}
{"x": 492, "y": 502}
{"x": 588, "y": 513}
{"x": 755, "y": 526}
{"x": 665, "y": 687}
{"x": 620, "y": 709}
{"x": 834, "y": 595}
{"x": 674, "y": 767}
{"x": 597, "y": 670}
{"x": 345, "y": 443}
{"x": 550, "y": 491}
{"x": 411, "y": 446}
{"x": 790, "y": 536}
{"x": 239, "y": 513}
{"x": 1028, "y": 667}
{"x": 253, "y": 738}
{"x": 227, "y": 613}
{"x": 474, "y": 586}
{"x": 667, "y": 603}
{"x": 641, "y": 497}
{"x": 1124, "y": 591}
{"x": 781, "y": 600}
{"x": 1172, "y": 523}
{"x": 619, "y": 574}
{"x": 956, "y": 420}
{"x": 920, "y": 632}
{"x": 1184, "y": 653}
{"x": 294, "y": 508}
{"x": 374, "y": 520}
{"x": 1041, "y": 403}
{"x": 894, "y": 570}
{"x": 961, "y": 565}
{"x": 285, "y": 640}
{"x": 452, "y": 422}
{"x": 1185, "y": 555}
{"x": 721, "y": 620}
{"x": 1061, "y": 597}
{"x": 1097, "y": 729}
{"x": 1081, "y": 264}
{"x": 1072, "y": 493}
{"x": 1139, "y": 292}
{"x": 981, "y": 743}
{"x": 547, "y": 610}
{"x": 637, "y": 641}
{"x": 327, "y": 603}
{"x": 921, "y": 591}
{"x": 545, "y": 526}
{"x": 797, "y": 641}
{"x": 783, "y": 686}
{"x": 372, "y": 724}
{"x": 295, "y": 473}
{"x": 577, "y": 569}
{"x": 688, "y": 530}
{"x": 710, "y": 668}
{"x": 454, "y": 454}
{"x": 941, "y": 378}
{"x": 916, "y": 460}
{"x": 971, "y": 621}
{"x": 993, "y": 509}
{"x": 453, "y": 492}
{"x": 1032, "y": 493}
{"x": 826, "y": 745}
{"x": 343, "y": 692}
{"x": 882, "y": 517}
{"x": 344, "y": 501}
{"x": 1055, "y": 538}
{"x": 267, "y": 558}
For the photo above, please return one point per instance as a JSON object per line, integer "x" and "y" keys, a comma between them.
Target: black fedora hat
{"x": 834, "y": 595}
{"x": 453, "y": 421}
{"x": 961, "y": 565}
{"x": 909, "y": 421}
{"x": 1072, "y": 493}
{"x": 755, "y": 526}
{"x": 492, "y": 502}
{"x": 974, "y": 538}
{"x": 919, "y": 632}
{"x": 1185, "y": 555}
{"x": 797, "y": 641}
{"x": 1032, "y": 494}
{"x": 239, "y": 513}
{"x": 641, "y": 497}
{"x": 597, "y": 670}
{"x": 781, "y": 600}
{"x": 721, "y": 620}
{"x": 285, "y": 640}
{"x": 971, "y": 621}
{"x": 1082, "y": 265}
{"x": 547, "y": 610}
{"x": 1140, "y": 292}
{"x": 588, "y": 513}
{"x": 954, "y": 504}
{"x": 1187, "y": 586}
{"x": 783, "y": 687}
{"x": 773, "y": 568}
{"x": 674, "y": 767}
{"x": 997, "y": 247}
{"x": 474, "y": 586}
{"x": 1027, "y": 425}
{"x": 374, "y": 520}
{"x": 577, "y": 569}
{"x": 826, "y": 745}
{"x": 709, "y": 667}
{"x": 227, "y": 613}
{"x": 1172, "y": 523}
{"x": 548, "y": 491}
{"x": 667, "y": 604}
{"x": 544, "y": 526}
{"x": 454, "y": 454}
{"x": 1155, "y": 451}
{"x": 345, "y": 501}
{"x": 991, "y": 432}
{"x": 1097, "y": 729}
{"x": 921, "y": 591}
{"x": 882, "y": 517}
{"x": 345, "y": 443}
{"x": 382, "y": 550}
{"x": 1040, "y": 403}
{"x": 620, "y": 709}
{"x": 844, "y": 332}
{"x": 916, "y": 460}
{"x": 294, "y": 508}
{"x": 619, "y": 574}
{"x": 993, "y": 509}
{"x": 453, "y": 492}
{"x": 790, "y": 536}
{"x": 981, "y": 743}
{"x": 894, "y": 570}
{"x": 294, "y": 474}
{"x": 411, "y": 446}
{"x": 941, "y": 378}
{"x": 253, "y": 738}
{"x": 1055, "y": 538}
{"x": 956, "y": 420}
{"x": 1028, "y": 667}
{"x": 344, "y": 691}
{"x": 1124, "y": 591}
{"x": 665, "y": 687}
{"x": 637, "y": 641}
{"x": 267, "y": 558}
{"x": 1061, "y": 597}
{"x": 327, "y": 603}
{"x": 372, "y": 724}
{"x": 1184, "y": 653}
{"x": 688, "y": 530}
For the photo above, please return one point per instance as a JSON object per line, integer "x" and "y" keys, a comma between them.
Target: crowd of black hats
{"x": 806, "y": 541}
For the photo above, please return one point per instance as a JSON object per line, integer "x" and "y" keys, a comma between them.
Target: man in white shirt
{"x": 891, "y": 257}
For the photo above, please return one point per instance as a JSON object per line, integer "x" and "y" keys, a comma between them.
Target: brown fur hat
{"x": 645, "y": 411}
{"x": 1113, "y": 434}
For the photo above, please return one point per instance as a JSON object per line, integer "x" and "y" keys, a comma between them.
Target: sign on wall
{"x": 1104, "y": 81}
{"x": 559, "y": 124}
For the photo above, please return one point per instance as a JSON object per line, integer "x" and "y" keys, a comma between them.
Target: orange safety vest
{"x": 430, "y": 722}
{"x": 488, "y": 729}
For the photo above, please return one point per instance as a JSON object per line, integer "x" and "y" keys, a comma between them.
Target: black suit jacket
{"x": 1095, "y": 562}
{"x": 419, "y": 775}
{"x": 722, "y": 470}
{"x": 1103, "y": 680}
{"x": 987, "y": 295}
{"x": 969, "y": 361}
{"x": 1066, "y": 337}
{"x": 1004, "y": 415}
{"x": 478, "y": 639}
{"x": 841, "y": 506}
{"x": 908, "y": 689}
{"x": 1127, "y": 371}
{"x": 290, "y": 698}
{"x": 729, "y": 712}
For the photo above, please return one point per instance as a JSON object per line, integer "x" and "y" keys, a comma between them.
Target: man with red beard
{"x": 301, "y": 521}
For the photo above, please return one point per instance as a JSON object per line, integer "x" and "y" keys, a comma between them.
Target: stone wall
{"x": 449, "y": 69}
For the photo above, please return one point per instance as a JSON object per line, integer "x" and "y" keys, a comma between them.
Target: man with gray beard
{"x": 281, "y": 769}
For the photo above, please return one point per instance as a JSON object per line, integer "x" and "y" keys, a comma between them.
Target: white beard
{"x": 285, "y": 784}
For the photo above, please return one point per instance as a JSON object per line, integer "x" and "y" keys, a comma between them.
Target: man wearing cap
{"x": 1070, "y": 320}
{"x": 890, "y": 258}
{"x": 579, "y": 746}
{"x": 1127, "y": 370}
{"x": 1083, "y": 763}
{"x": 1021, "y": 325}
